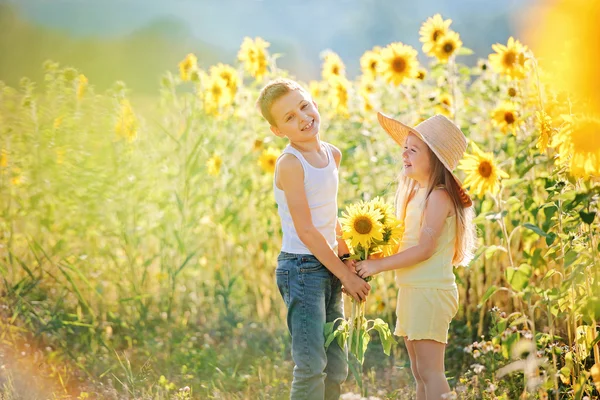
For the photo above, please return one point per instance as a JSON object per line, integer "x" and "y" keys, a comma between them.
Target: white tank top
{"x": 321, "y": 187}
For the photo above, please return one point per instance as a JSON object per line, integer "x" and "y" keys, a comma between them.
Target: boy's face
{"x": 296, "y": 117}
{"x": 416, "y": 158}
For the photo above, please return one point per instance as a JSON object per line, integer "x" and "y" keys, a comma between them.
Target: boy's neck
{"x": 309, "y": 146}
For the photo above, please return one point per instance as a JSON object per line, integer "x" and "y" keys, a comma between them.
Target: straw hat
{"x": 442, "y": 136}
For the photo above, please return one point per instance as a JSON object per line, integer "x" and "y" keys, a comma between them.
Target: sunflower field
{"x": 139, "y": 236}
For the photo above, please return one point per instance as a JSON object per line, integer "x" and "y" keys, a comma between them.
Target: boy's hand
{"x": 355, "y": 286}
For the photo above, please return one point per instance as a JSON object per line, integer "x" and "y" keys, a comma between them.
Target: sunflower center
{"x": 509, "y": 58}
{"x": 399, "y": 64}
{"x": 335, "y": 70}
{"x": 373, "y": 65}
{"x": 485, "y": 169}
{"x": 509, "y": 117}
{"x": 216, "y": 91}
{"x": 448, "y": 48}
{"x": 363, "y": 225}
{"x": 436, "y": 34}
{"x": 512, "y": 92}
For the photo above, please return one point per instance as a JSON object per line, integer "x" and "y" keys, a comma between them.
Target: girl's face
{"x": 416, "y": 158}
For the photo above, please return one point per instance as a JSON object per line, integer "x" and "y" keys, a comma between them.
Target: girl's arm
{"x": 438, "y": 207}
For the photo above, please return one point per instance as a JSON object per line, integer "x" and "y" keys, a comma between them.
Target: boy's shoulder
{"x": 337, "y": 153}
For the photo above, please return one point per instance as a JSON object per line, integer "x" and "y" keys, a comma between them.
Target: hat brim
{"x": 399, "y": 132}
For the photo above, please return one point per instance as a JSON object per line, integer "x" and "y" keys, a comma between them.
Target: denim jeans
{"x": 313, "y": 296}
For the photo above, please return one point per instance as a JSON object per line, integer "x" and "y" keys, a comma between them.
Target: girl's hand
{"x": 367, "y": 268}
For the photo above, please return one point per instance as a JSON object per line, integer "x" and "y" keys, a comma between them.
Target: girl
{"x": 439, "y": 234}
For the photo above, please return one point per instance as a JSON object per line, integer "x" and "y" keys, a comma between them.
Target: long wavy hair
{"x": 466, "y": 236}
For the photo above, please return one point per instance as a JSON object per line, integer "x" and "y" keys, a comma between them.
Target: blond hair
{"x": 273, "y": 91}
{"x": 440, "y": 176}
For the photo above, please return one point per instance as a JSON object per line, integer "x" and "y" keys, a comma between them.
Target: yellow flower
{"x": 506, "y": 117}
{"x": 82, "y": 84}
{"x": 16, "y": 178}
{"x": 268, "y": 158}
{"x": 398, "y": 61}
{"x": 228, "y": 74}
{"x": 566, "y": 40}
{"x": 510, "y": 59}
{"x": 333, "y": 67}
{"x": 338, "y": 95}
{"x": 446, "y": 46}
{"x": 369, "y": 61}
{"x": 431, "y": 30}
{"x": 367, "y": 85}
{"x": 127, "y": 124}
{"x": 385, "y": 209}
{"x": 253, "y": 53}
{"x": 421, "y": 74}
{"x": 60, "y": 156}
{"x": 3, "y": 158}
{"x": 444, "y": 105}
{"x": 361, "y": 226}
{"x": 57, "y": 122}
{"x": 482, "y": 173}
{"x": 544, "y": 124}
{"x": 578, "y": 145}
{"x": 393, "y": 231}
{"x": 187, "y": 66}
{"x": 217, "y": 95}
{"x": 214, "y": 165}
{"x": 316, "y": 89}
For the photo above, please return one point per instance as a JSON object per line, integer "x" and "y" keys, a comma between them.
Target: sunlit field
{"x": 139, "y": 235}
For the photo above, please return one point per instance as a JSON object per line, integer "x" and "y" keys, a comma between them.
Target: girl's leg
{"x": 430, "y": 364}
{"x": 415, "y": 369}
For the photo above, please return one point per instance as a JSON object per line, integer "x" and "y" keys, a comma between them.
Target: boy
{"x": 310, "y": 271}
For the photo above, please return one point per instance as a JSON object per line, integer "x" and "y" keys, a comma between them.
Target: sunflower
{"x": 482, "y": 173}
{"x": 315, "y": 88}
{"x": 187, "y": 66}
{"x": 228, "y": 74}
{"x": 578, "y": 145}
{"x": 369, "y": 61}
{"x": 333, "y": 67}
{"x": 444, "y": 105}
{"x": 446, "y": 46}
{"x": 82, "y": 83}
{"x": 338, "y": 95}
{"x": 510, "y": 59}
{"x": 421, "y": 74}
{"x": 367, "y": 85}
{"x": 567, "y": 40}
{"x": 431, "y": 30}
{"x": 506, "y": 117}
{"x": 267, "y": 159}
{"x": 217, "y": 95}
{"x": 127, "y": 124}
{"x": 253, "y": 53}
{"x": 393, "y": 231}
{"x": 214, "y": 165}
{"x": 385, "y": 209}
{"x": 544, "y": 124}
{"x": 398, "y": 61}
{"x": 360, "y": 225}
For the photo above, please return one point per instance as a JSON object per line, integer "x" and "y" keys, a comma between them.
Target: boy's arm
{"x": 436, "y": 212}
{"x": 291, "y": 178}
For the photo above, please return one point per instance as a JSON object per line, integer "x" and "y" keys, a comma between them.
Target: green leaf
{"x": 535, "y": 228}
{"x": 464, "y": 51}
{"x": 588, "y": 218}
{"x": 519, "y": 277}
{"x": 489, "y": 252}
{"x": 488, "y": 293}
{"x": 385, "y": 335}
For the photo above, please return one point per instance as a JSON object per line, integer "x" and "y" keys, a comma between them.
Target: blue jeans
{"x": 313, "y": 296}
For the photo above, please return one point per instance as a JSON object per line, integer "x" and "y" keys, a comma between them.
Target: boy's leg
{"x": 309, "y": 286}
{"x": 337, "y": 364}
